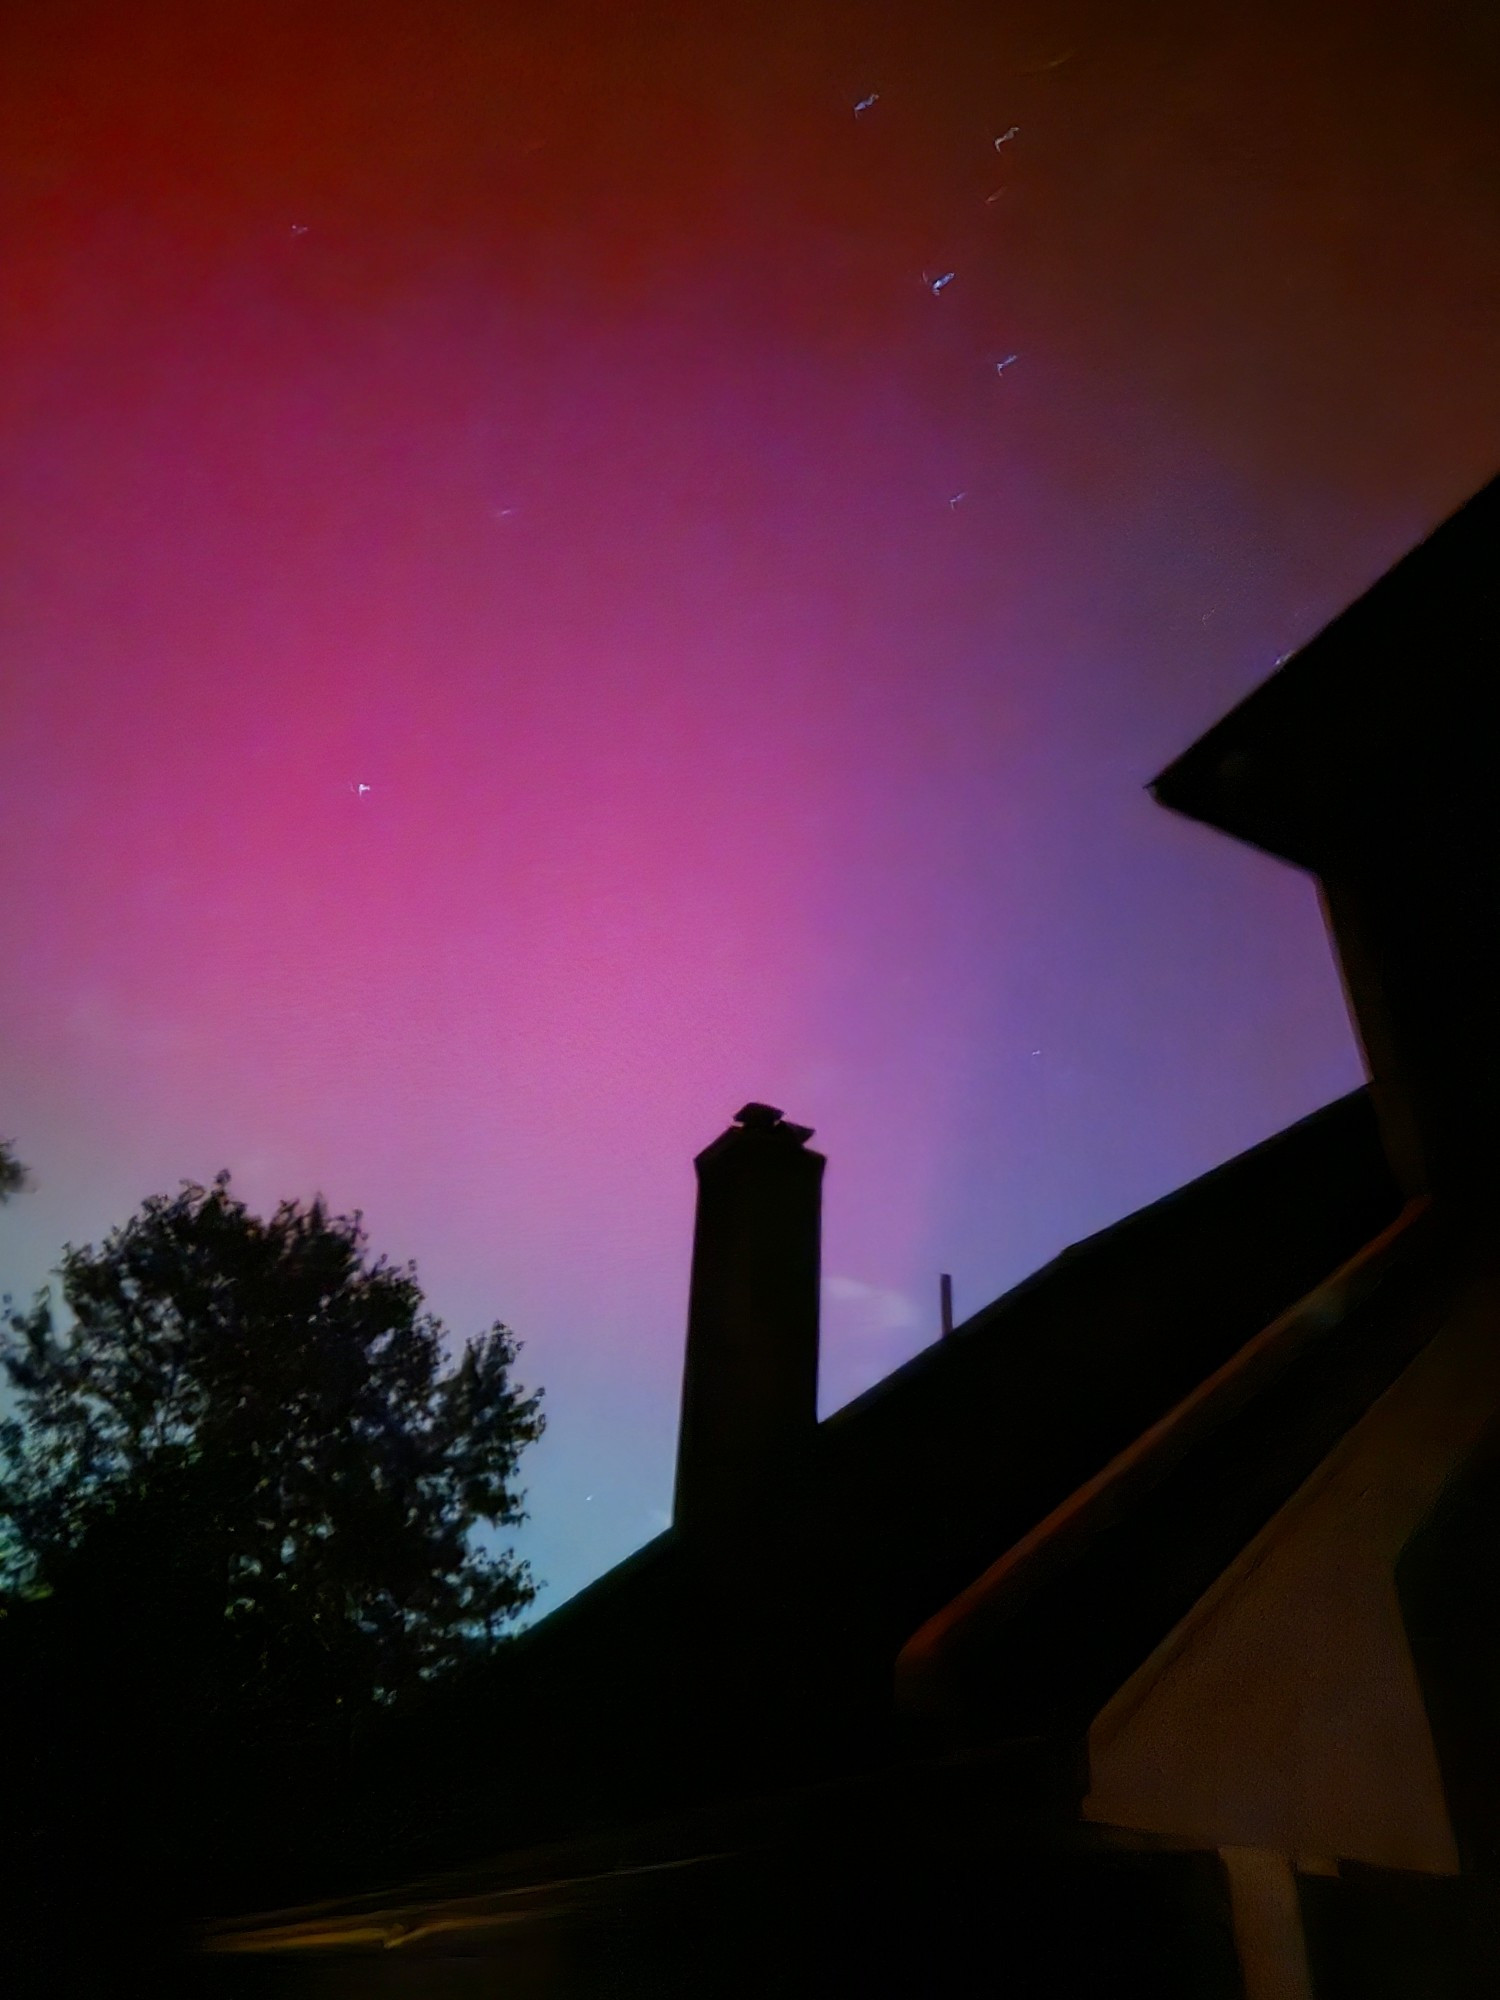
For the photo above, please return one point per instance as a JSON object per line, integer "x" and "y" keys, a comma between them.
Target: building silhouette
{"x": 1140, "y": 1637}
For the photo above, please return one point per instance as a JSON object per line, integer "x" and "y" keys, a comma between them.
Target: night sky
{"x": 535, "y": 610}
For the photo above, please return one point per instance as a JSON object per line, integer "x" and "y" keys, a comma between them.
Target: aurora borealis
{"x": 530, "y": 619}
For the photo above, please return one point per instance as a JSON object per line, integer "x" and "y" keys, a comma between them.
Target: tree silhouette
{"x": 237, "y": 1501}
{"x": 247, "y": 1440}
{"x": 13, "y": 1176}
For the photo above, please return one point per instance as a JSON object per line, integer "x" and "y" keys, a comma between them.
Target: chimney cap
{"x": 766, "y": 1118}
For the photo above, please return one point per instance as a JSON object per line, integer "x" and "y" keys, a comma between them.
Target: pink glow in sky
{"x": 528, "y": 622}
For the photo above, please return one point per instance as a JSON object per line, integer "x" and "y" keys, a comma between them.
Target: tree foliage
{"x": 13, "y": 1175}
{"x": 247, "y": 1468}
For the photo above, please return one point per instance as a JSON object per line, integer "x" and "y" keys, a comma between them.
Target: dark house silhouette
{"x": 1140, "y": 1637}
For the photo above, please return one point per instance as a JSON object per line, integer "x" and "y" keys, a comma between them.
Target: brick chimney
{"x": 750, "y": 1381}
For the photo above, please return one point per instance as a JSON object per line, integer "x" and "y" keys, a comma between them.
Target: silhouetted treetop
{"x": 13, "y": 1175}
{"x": 248, "y": 1451}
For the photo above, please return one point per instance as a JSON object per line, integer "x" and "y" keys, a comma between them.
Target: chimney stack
{"x": 750, "y": 1382}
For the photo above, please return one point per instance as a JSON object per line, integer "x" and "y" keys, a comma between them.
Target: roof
{"x": 1372, "y": 721}
{"x": 684, "y": 1673}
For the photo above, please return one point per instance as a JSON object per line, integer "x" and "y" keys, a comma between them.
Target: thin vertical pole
{"x": 1267, "y": 1917}
{"x": 946, "y": 1284}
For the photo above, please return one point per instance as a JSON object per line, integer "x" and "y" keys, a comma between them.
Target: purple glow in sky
{"x": 535, "y": 613}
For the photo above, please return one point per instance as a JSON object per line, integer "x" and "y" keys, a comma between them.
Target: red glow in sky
{"x": 530, "y": 619}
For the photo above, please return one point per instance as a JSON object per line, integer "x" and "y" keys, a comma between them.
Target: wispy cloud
{"x": 880, "y": 1310}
